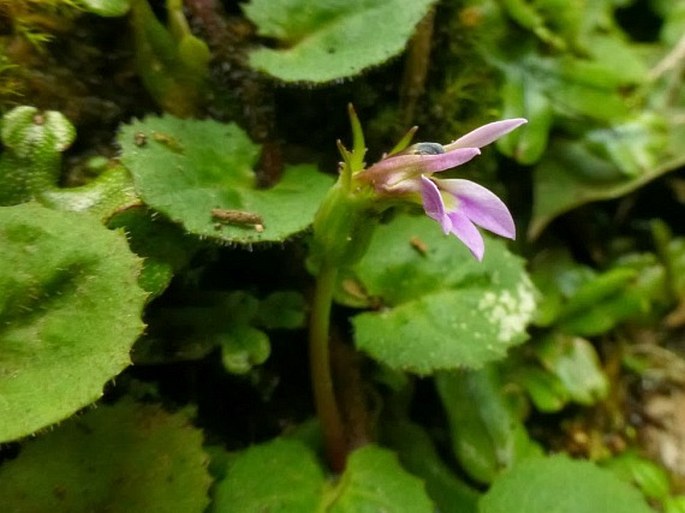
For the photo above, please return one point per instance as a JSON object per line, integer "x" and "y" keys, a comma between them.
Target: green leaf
{"x": 373, "y": 481}
{"x": 442, "y": 309}
{"x": 28, "y": 131}
{"x": 196, "y": 171}
{"x": 324, "y": 41}
{"x": 108, "y": 8}
{"x": 521, "y": 98}
{"x": 225, "y": 320}
{"x": 574, "y": 361}
{"x": 487, "y": 435}
{"x": 418, "y": 454}
{"x": 572, "y": 174}
{"x": 34, "y": 142}
{"x": 163, "y": 245}
{"x": 561, "y": 485}
{"x": 120, "y": 459}
{"x": 282, "y": 309}
{"x": 171, "y": 61}
{"x": 674, "y": 504}
{"x": 651, "y": 478}
{"x": 70, "y": 311}
{"x": 109, "y": 193}
{"x": 244, "y": 347}
{"x": 256, "y": 480}
{"x": 545, "y": 390}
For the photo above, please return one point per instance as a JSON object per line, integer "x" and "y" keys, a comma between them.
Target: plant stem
{"x": 322, "y": 379}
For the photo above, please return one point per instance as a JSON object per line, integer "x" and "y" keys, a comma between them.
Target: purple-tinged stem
{"x": 322, "y": 379}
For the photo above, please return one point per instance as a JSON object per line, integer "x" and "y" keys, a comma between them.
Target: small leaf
{"x": 34, "y": 143}
{"x": 521, "y": 98}
{"x": 107, "y": 8}
{"x": 199, "y": 173}
{"x": 650, "y": 478}
{"x": 256, "y": 480}
{"x": 441, "y": 308}
{"x": 70, "y": 311}
{"x": 28, "y": 131}
{"x": 572, "y": 175}
{"x": 324, "y": 41}
{"x": 244, "y": 347}
{"x": 373, "y": 481}
{"x": 282, "y": 310}
{"x": 104, "y": 196}
{"x": 419, "y": 455}
{"x": 545, "y": 390}
{"x": 487, "y": 435}
{"x": 574, "y": 361}
{"x": 561, "y": 485}
{"x": 171, "y": 61}
{"x": 120, "y": 459}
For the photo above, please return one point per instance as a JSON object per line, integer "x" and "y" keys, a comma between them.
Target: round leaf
{"x": 374, "y": 481}
{"x": 199, "y": 173}
{"x": 256, "y": 480}
{"x": 561, "y": 485}
{"x": 108, "y": 8}
{"x": 442, "y": 308}
{"x": 324, "y": 41}
{"x": 70, "y": 311}
{"x": 120, "y": 459}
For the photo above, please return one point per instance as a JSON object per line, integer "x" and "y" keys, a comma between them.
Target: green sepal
{"x": 343, "y": 227}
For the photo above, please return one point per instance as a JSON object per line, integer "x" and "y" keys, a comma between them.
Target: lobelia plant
{"x": 345, "y": 221}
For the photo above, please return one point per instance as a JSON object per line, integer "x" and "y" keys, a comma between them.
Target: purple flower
{"x": 460, "y": 206}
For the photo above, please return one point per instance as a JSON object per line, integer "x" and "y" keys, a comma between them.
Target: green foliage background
{"x": 161, "y": 164}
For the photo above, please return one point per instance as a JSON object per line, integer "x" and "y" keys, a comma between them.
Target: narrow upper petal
{"x": 434, "y": 205}
{"x": 393, "y": 170}
{"x": 486, "y": 134}
{"x": 481, "y": 206}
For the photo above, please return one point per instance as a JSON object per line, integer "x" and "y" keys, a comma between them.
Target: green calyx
{"x": 343, "y": 225}
{"x": 342, "y": 228}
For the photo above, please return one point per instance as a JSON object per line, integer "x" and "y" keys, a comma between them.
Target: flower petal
{"x": 481, "y": 206}
{"x": 467, "y": 232}
{"x": 434, "y": 205}
{"x": 486, "y": 134}
{"x": 392, "y": 170}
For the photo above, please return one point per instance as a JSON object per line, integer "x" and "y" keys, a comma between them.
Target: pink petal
{"x": 452, "y": 222}
{"x": 480, "y": 206}
{"x": 467, "y": 232}
{"x": 448, "y": 160}
{"x": 484, "y": 135}
{"x": 434, "y": 205}
{"x": 390, "y": 171}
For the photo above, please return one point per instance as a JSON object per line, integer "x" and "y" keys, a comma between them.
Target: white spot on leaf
{"x": 509, "y": 312}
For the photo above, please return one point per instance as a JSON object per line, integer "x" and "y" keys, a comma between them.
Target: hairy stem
{"x": 322, "y": 379}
